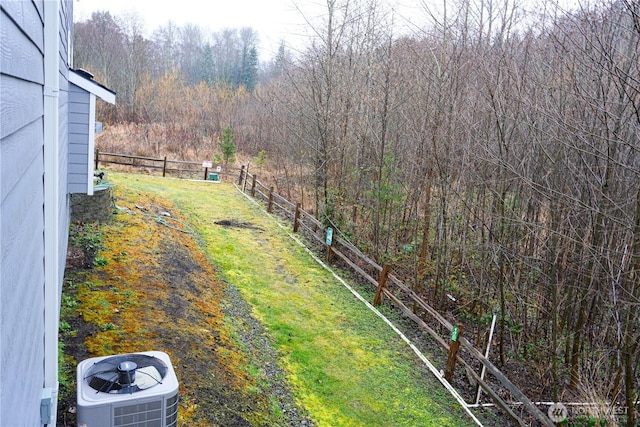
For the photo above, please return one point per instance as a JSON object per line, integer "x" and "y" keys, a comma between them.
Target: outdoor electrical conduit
{"x": 52, "y": 272}
{"x": 421, "y": 356}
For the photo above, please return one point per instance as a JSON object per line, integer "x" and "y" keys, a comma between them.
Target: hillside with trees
{"x": 492, "y": 157}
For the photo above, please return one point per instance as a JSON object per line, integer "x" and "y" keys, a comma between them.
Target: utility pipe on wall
{"x": 52, "y": 190}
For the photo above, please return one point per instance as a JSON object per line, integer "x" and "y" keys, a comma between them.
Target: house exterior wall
{"x": 21, "y": 217}
{"x": 78, "y": 137}
{"x": 65, "y": 37}
{"x": 22, "y": 254}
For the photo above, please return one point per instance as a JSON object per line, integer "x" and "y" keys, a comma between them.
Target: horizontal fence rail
{"x": 400, "y": 295}
{"x": 178, "y": 167}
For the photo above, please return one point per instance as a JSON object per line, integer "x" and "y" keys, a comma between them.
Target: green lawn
{"x": 345, "y": 365}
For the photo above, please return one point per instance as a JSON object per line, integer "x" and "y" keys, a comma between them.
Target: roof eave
{"x": 92, "y": 86}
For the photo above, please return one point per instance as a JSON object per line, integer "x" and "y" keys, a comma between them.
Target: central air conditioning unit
{"x": 138, "y": 389}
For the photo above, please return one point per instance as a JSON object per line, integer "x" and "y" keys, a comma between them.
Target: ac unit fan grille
{"x": 105, "y": 376}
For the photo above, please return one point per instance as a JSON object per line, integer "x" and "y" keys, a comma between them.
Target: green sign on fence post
{"x": 454, "y": 333}
{"x": 453, "y": 351}
{"x": 329, "y": 241}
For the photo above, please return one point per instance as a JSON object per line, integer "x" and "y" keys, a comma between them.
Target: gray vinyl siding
{"x": 21, "y": 212}
{"x": 22, "y": 103}
{"x": 25, "y": 53}
{"x": 22, "y": 203}
{"x": 66, "y": 26}
{"x": 78, "y": 137}
{"x": 22, "y": 317}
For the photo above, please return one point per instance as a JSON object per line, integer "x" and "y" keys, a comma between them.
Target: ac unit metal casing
{"x": 156, "y": 406}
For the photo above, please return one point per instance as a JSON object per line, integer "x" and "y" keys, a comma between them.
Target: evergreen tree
{"x": 227, "y": 146}
{"x": 280, "y": 61}
{"x": 207, "y": 71}
{"x": 249, "y": 68}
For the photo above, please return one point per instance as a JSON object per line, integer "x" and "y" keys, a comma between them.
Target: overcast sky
{"x": 274, "y": 20}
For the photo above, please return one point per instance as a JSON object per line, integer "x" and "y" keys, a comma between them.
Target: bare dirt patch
{"x": 232, "y": 223}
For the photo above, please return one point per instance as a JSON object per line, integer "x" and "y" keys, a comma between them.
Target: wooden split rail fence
{"x": 176, "y": 167}
{"x": 388, "y": 286}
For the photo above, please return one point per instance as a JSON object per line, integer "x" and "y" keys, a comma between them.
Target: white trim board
{"x": 92, "y": 87}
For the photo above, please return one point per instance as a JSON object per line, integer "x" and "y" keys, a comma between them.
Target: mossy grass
{"x": 346, "y": 366}
{"x": 156, "y": 290}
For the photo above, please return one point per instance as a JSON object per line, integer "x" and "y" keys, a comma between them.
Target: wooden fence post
{"x": 253, "y": 186}
{"x": 246, "y": 175}
{"x": 382, "y": 283}
{"x": 97, "y": 159}
{"x": 454, "y": 345}
{"x": 270, "y": 204}
{"x": 241, "y": 174}
{"x": 164, "y": 167}
{"x": 296, "y": 218}
{"x": 329, "y": 244}
{"x": 206, "y": 171}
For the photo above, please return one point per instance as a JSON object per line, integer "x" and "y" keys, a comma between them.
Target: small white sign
{"x": 206, "y": 164}
{"x": 218, "y": 168}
